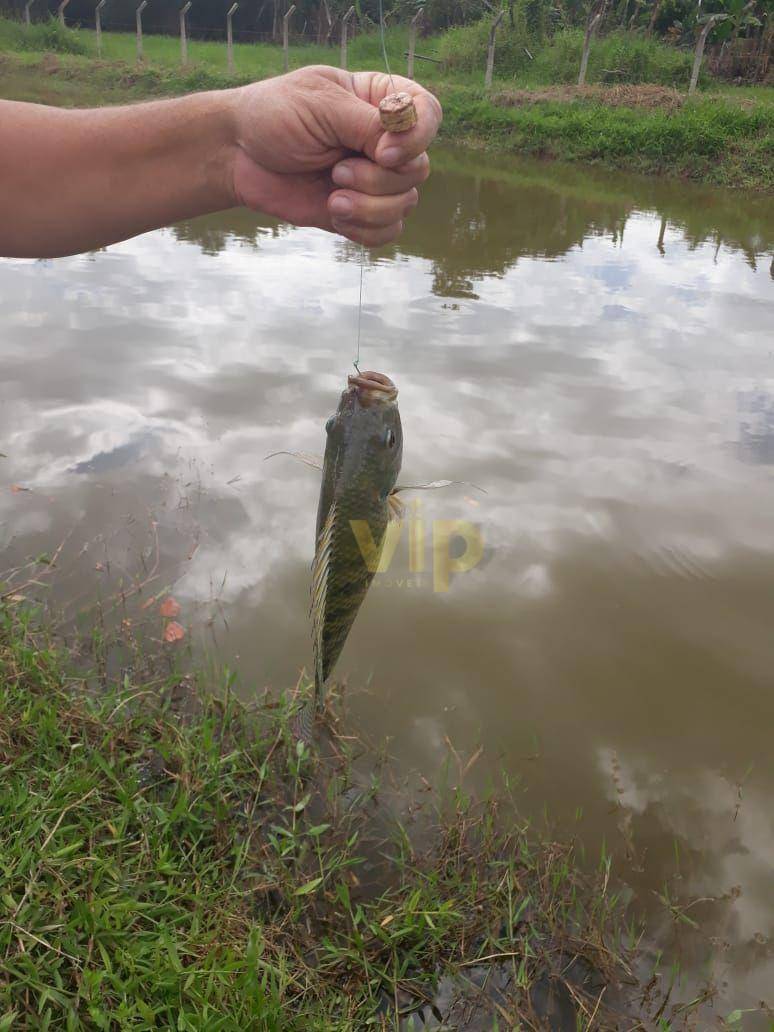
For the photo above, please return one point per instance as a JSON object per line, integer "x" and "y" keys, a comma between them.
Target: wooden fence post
{"x": 285, "y": 20}
{"x": 699, "y": 52}
{"x": 413, "y": 41}
{"x": 491, "y": 49}
{"x": 230, "y": 39}
{"x": 329, "y": 31}
{"x": 344, "y": 20}
{"x": 138, "y": 21}
{"x": 183, "y": 34}
{"x": 594, "y": 18}
{"x": 27, "y": 12}
{"x": 60, "y": 11}
{"x": 98, "y": 25}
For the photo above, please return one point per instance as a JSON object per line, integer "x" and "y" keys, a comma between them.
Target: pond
{"x": 595, "y": 352}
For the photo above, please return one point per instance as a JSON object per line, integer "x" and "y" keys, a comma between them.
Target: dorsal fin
{"x": 320, "y": 568}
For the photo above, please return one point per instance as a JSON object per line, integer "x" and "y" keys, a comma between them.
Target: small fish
{"x": 360, "y": 469}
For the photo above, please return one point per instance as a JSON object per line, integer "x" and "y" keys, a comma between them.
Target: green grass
{"x": 725, "y": 137}
{"x": 252, "y": 61}
{"x": 715, "y": 140}
{"x": 618, "y": 57}
{"x": 170, "y": 859}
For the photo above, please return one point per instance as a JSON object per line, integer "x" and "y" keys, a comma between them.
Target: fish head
{"x": 365, "y": 439}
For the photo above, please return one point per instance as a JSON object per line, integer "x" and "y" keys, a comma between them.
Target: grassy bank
{"x": 170, "y": 859}
{"x": 724, "y": 137}
{"x": 714, "y": 139}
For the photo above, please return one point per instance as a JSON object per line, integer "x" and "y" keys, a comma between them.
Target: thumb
{"x": 358, "y": 126}
{"x": 354, "y": 123}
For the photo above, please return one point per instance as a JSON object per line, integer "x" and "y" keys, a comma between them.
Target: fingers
{"x": 351, "y": 210}
{"x": 370, "y": 237}
{"x": 366, "y": 177}
{"x": 394, "y": 149}
{"x": 357, "y": 126}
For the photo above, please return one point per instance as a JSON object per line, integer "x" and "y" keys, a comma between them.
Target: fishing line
{"x": 384, "y": 45}
{"x": 356, "y": 363}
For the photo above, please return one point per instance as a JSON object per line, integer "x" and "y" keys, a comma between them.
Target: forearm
{"x": 71, "y": 181}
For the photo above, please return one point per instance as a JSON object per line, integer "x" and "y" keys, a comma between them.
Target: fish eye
{"x": 389, "y": 439}
{"x": 330, "y": 423}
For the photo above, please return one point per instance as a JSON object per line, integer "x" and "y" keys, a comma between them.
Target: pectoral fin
{"x": 308, "y": 460}
{"x": 434, "y": 485}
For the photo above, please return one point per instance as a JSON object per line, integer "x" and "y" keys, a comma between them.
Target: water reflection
{"x": 593, "y": 350}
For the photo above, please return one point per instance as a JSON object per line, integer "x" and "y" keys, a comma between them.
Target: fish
{"x": 363, "y": 454}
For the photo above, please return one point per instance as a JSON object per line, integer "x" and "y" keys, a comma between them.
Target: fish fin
{"x": 396, "y": 506}
{"x": 305, "y": 457}
{"x": 435, "y": 485}
{"x": 320, "y": 568}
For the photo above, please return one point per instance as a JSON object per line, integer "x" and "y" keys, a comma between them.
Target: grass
{"x": 618, "y": 57}
{"x": 725, "y": 137}
{"x": 711, "y": 139}
{"x": 171, "y": 859}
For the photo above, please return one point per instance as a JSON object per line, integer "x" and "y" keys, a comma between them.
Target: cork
{"x": 397, "y": 113}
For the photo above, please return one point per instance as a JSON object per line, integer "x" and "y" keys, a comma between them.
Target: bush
{"x": 46, "y": 35}
{"x": 463, "y": 48}
{"x": 620, "y": 57}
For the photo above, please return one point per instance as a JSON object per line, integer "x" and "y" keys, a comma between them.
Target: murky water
{"x": 597, "y": 353}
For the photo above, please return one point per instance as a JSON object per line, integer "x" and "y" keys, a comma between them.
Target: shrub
{"x": 46, "y": 35}
{"x": 620, "y": 57}
{"x": 463, "y": 48}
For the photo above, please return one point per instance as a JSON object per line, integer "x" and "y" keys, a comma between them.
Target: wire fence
{"x": 212, "y": 33}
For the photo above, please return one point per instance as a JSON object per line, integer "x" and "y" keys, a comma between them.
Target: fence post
{"x": 413, "y": 41}
{"x": 60, "y": 11}
{"x": 230, "y": 39}
{"x": 491, "y": 49}
{"x": 98, "y": 25}
{"x": 329, "y": 31}
{"x": 595, "y": 17}
{"x": 138, "y": 21}
{"x": 285, "y": 20}
{"x": 699, "y": 52}
{"x": 183, "y": 35}
{"x": 344, "y": 20}
{"x": 27, "y": 12}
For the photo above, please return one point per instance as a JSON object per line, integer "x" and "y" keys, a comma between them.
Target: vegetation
{"x": 725, "y": 138}
{"x": 714, "y": 140}
{"x": 621, "y": 57}
{"x": 172, "y": 859}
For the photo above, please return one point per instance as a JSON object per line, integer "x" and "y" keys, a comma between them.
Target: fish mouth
{"x": 373, "y": 386}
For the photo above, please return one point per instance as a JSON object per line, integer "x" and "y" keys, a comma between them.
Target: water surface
{"x": 597, "y": 353}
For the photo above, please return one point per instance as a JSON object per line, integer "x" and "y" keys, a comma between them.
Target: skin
{"x": 306, "y": 147}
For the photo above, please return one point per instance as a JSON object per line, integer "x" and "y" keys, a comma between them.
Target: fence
{"x": 321, "y": 31}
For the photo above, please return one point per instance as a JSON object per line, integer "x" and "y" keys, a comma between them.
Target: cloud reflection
{"x": 603, "y": 371}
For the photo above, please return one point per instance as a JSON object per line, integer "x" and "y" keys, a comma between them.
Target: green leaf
{"x": 310, "y": 886}
{"x": 318, "y": 829}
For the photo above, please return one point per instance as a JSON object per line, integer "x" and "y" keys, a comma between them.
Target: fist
{"x": 311, "y": 150}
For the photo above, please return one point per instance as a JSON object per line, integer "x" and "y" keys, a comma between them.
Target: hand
{"x": 311, "y": 150}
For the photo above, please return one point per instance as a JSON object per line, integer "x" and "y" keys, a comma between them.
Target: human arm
{"x": 74, "y": 180}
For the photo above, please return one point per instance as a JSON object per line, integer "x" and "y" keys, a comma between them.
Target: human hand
{"x": 311, "y": 150}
